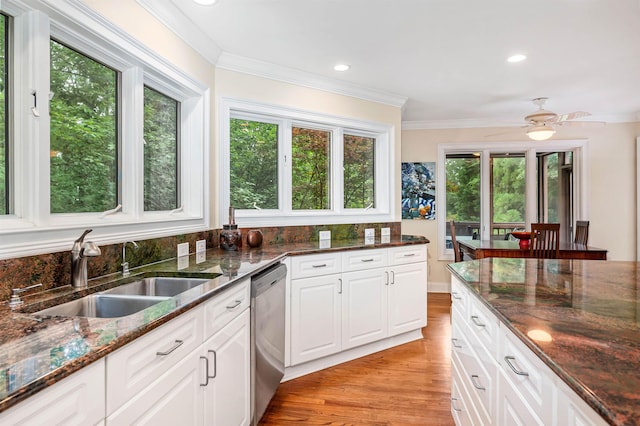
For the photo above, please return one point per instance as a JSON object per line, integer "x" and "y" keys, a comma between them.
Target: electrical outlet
{"x": 369, "y": 236}
{"x": 201, "y": 246}
{"x": 385, "y": 232}
{"x": 183, "y": 249}
{"x": 324, "y": 235}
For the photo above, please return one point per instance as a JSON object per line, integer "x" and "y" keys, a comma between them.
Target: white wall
{"x": 612, "y": 192}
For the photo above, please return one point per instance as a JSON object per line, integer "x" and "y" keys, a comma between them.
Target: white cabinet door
{"x": 364, "y": 307}
{"x": 315, "y": 317}
{"x": 75, "y": 400}
{"x": 407, "y": 297}
{"x": 173, "y": 399}
{"x": 512, "y": 408}
{"x": 227, "y": 392}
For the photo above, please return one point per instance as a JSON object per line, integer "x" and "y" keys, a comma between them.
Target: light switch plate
{"x": 324, "y": 235}
{"x": 385, "y": 231}
{"x": 183, "y": 249}
{"x": 201, "y": 246}
{"x": 201, "y": 257}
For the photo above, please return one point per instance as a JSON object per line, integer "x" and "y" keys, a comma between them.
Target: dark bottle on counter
{"x": 230, "y": 237}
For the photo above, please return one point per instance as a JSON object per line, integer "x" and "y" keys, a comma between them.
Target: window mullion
{"x": 285, "y": 191}
{"x": 337, "y": 170}
{"x": 32, "y": 158}
{"x": 131, "y": 145}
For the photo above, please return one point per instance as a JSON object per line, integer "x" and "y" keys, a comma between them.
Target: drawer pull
{"x": 173, "y": 348}
{"x": 455, "y": 295}
{"x": 474, "y": 319}
{"x": 508, "y": 359}
{"x": 475, "y": 377}
{"x": 453, "y": 404}
{"x": 322, "y": 265}
{"x": 235, "y": 305}
{"x": 453, "y": 342}
{"x": 366, "y": 260}
{"x": 409, "y": 254}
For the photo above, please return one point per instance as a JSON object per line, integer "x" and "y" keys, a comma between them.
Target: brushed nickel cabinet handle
{"x": 453, "y": 342}
{"x": 386, "y": 278}
{"x": 409, "y": 254}
{"x": 508, "y": 360}
{"x": 474, "y": 319}
{"x": 235, "y": 305}
{"x": 322, "y": 265}
{"x": 173, "y": 348}
{"x": 366, "y": 260}
{"x": 340, "y": 285}
{"x": 475, "y": 377}
{"x": 215, "y": 364}
{"x": 393, "y": 277}
{"x": 206, "y": 371}
{"x": 454, "y": 294}
{"x": 453, "y": 405}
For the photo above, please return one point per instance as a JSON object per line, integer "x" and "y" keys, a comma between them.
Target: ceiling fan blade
{"x": 571, "y": 116}
{"x": 582, "y": 123}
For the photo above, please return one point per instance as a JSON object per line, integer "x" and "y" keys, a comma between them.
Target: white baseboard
{"x": 348, "y": 355}
{"x": 439, "y": 287}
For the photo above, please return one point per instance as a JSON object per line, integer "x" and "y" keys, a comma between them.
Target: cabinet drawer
{"x": 407, "y": 254}
{"x": 315, "y": 265}
{"x": 459, "y": 298}
{"x": 483, "y": 324}
{"x": 226, "y": 306}
{"x": 135, "y": 366}
{"x": 527, "y": 376}
{"x": 364, "y": 259}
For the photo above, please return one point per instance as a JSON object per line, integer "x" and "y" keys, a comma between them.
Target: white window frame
{"x": 580, "y": 151}
{"x": 31, "y": 229}
{"x": 286, "y": 118}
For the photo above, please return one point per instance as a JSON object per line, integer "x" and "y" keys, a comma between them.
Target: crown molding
{"x": 171, "y": 16}
{"x": 489, "y": 122}
{"x": 301, "y": 78}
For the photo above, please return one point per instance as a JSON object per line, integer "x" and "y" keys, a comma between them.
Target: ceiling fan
{"x": 541, "y": 123}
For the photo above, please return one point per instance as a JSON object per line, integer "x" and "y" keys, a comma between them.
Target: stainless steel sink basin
{"x": 157, "y": 286}
{"x": 103, "y": 306}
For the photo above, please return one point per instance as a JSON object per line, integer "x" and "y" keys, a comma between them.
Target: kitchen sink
{"x": 157, "y": 286}
{"x": 103, "y": 306}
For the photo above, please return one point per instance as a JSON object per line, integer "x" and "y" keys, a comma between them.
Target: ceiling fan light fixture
{"x": 541, "y": 132}
{"x": 516, "y": 58}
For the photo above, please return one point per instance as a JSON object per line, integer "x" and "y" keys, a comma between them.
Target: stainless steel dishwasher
{"x": 267, "y": 337}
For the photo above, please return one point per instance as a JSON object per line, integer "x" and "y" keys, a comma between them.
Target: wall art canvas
{"x": 419, "y": 191}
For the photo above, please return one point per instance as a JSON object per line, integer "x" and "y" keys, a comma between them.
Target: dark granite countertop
{"x": 590, "y": 308}
{"x": 36, "y": 352}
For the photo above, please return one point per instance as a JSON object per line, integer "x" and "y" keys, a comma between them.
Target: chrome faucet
{"x": 125, "y": 264}
{"x": 79, "y": 253}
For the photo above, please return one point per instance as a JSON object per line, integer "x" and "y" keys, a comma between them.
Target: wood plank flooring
{"x": 406, "y": 385}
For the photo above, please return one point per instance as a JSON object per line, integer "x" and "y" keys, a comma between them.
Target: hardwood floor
{"x": 406, "y": 385}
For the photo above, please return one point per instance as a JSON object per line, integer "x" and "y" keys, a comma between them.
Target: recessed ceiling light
{"x": 205, "y": 2}
{"x": 341, "y": 67}
{"x": 516, "y": 58}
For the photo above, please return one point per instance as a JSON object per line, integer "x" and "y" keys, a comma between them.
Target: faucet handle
{"x": 90, "y": 249}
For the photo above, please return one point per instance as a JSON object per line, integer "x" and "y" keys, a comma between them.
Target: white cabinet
{"x": 497, "y": 379}
{"x": 193, "y": 370}
{"x": 315, "y": 317}
{"x": 228, "y": 374}
{"x": 375, "y": 294}
{"x": 75, "y": 400}
{"x": 364, "y": 307}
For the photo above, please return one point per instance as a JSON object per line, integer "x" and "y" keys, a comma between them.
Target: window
{"x": 491, "y": 190}
{"x": 4, "y": 119}
{"x": 83, "y": 137}
{"x": 114, "y": 137}
{"x": 359, "y": 172}
{"x": 160, "y": 151}
{"x": 282, "y": 167}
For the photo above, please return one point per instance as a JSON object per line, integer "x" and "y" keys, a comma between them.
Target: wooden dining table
{"x": 479, "y": 249}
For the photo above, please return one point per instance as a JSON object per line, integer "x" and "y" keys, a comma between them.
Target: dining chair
{"x": 581, "y": 232}
{"x": 545, "y": 240}
{"x": 458, "y": 255}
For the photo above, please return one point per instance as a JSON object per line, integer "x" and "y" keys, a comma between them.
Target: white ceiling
{"x": 445, "y": 58}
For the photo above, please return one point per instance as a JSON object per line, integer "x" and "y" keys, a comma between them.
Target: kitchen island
{"x": 37, "y": 352}
{"x": 580, "y": 317}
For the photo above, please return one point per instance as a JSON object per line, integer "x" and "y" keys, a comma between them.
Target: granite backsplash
{"x": 53, "y": 270}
